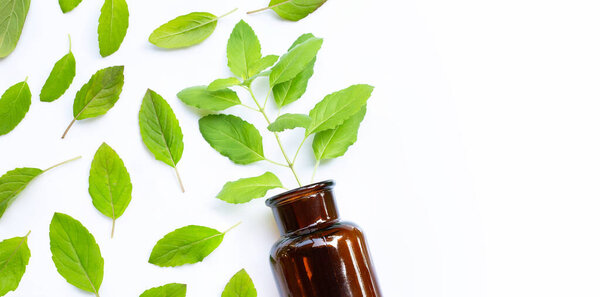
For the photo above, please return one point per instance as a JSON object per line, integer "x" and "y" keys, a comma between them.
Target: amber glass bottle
{"x": 319, "y": 255}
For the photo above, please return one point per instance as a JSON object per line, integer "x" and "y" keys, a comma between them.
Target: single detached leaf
{"x": 223, "y": 83}
{"x": 14, "y": 104}
{"x": 335, "y": 142}
{"x": 240, "y": 285}
{"x": 14, "y": 257}
{"x": 168, "y": 290}
{"x": 233, "y": 137}
{"x": 295, "y": 10}
{"x": 112, "y": 26}
{"x": 109, "y": 183}
{"x": 12, "y": 19}
{"x": 185, "y": 30}
{"x": 200, "y": 97}
{"x": 68, "y": 5}
{"x": 245, "y": 189}
{"x": 13, "y": 182}
{"x": 336, "y": 107}
{"x": 295, "y": 61}
{"x": 243, "y": 50}
{"x": 289, "y": 121}
{"x": 75, "y": 253}
{"x": 187, "y": 245}
{"x": 60, "y": 78}
{"x": 262, "y": 64}
{"x": 289, "y": 91}
{"x": 160, "y": 130}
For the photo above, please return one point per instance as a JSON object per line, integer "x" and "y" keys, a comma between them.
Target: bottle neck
{"x": 304, "y": 208}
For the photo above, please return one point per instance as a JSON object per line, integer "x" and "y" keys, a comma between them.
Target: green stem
{"x": 61, "y": 163}
{"x": 112, "y": 231}
{"x": 234, "y": 10}
{"x": 250, "y": 107}
{"x": 230, "y": 228}
{"x": 312, "y": 179}
{"x": 297, "y": 151}
{"x": 268, "y": 7}
{"x": 179, "y": 180}
{"x": 69, "y": 42}
{"x": 276, "y": 163}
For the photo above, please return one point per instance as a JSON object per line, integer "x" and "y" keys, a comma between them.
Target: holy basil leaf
{"x": 243, "y": 50}
{"x": 289, "y": 121}
{"x": 295, "y": 61}
{"x": 335, "y": 142}
{"x": 60, "y": 78}
{"x": 98, "y": 95}
{"x": 187, "y": 245}
{"x": 168, "y": 290}
{"x": 75, "y": 253}
{"x": 13, "y": 182}
{"x": 223, "y": 83}
{"x": 109, "y": 184}
{"x": 289, "y": 91}
{"x": 336, "y": 107}
{"x": 245, "y": 189}
{"x": 295, "y": 10}
{"x": 200, "y": 97}
{"x": 240, "y": 285}
{"x": 68, "y": 5}
{"x": 12, "y": 15}
{"x": 14, "y": 257}
{"x": 160, "y": 131}
{"x": 185, "y": 30}
{"x": 233, "y": 137}
{"x": 112, "y": 26}
{"x": 14, "y": 104}
{"x": 262, "y": 64}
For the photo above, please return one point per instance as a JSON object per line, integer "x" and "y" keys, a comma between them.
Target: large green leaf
{"x": 60, "y": 78}
{"x": 185, "y": 30}
{"x": 68, "y": 5}
{"x": 187, "y": 245}
{"x": 12, "y": 19}
{"x": 223, "y": 83}
{"x": 240, "y": 285}
{"x": 75, "y": 253}
{"x": 289, "y": 121}
{"x": 289, "y": 91}
{"x": 13, "y": 182}
{"x": 112, "y": 26}
{"x": 200, "y": 97}
{"x": 335, "y": 142}
{"x": 245, "y": 189}
{"x": 295, "y": 61}
{"x": 168, "y": 290}
{"x": 233, "y": 137}
{"x": 14, "y": 104}
{"x": 295, "y": 10}
{"x": 109, "y": 183}
{"x": 243, "y": 50}
{"x": 336, "y": 107}
{"x": 14, "y": 257}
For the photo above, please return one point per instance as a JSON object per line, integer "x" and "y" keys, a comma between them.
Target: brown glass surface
{"x": 319, "y": 256}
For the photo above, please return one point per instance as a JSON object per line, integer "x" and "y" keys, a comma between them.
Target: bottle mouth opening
{"x": 299, "y": 193}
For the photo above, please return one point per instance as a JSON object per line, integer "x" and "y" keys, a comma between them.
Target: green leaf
{"x": 185, "y": 30}
{"x": 262, "y": 64}
{"x": 14, "y": 104}
{"x": 243, "y": 50}
{"x": 295, "y": 61}
{"x": 14, "y": 257}
{"x": 289, "y": 91}
{"x": 200, "y": 97}
{"x": 187, "y": 245}
{"x": 75, "y": 253}
{"x": 295, "y": 10}
{"x": 112, "y": 26}
{"x": 233, "y": 137}
{"x": 160, "y": 130}
{"x": 13, "y": 182}
{"x": 68, "y": 5}
{"x": 109, "y": 183}
{"x": 240, "y": 285}
{"x": 223, "y": 83}
{"x": 245, "y": 189}
{"x": 60, "y": 78}
{"x": 289, "y": 121}
{"x": 12, "y": 19}
{"x": 336, "y": 107}
{"x": 335, "y": 142}
{"x": 168, "y": 290}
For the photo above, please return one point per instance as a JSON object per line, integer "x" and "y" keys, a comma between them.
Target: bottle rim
{"x": 299, "y": 193}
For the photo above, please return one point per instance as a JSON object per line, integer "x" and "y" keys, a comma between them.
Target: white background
{"x": 475, "y": 173}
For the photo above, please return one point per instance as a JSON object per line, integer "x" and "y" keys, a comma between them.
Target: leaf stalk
{"x": 61, "y": 163}
{"x": 179, "y": 180}
{"x": 268, "y": 7}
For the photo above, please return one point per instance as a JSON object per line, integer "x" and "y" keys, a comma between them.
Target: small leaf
{"x": 14, "y": 257}
{"x": 112, "y": 26}
{"x": 295, "y": 10}
{"x": 187, "y": 245}
{"x": 13, "y": 182}
{"x": 336, "y": 107}
{"x": 245, "y": 189}
{"x": 233, "y": 137}
{"x": 200, "y": 97}
{"x": 75, "y": 253}
{"x": 160, "y": 130}
{"x": 168, "y": 290}
{"x": 243, "y": 50}
{"x": 240, "y": 285}
{"x": 295, "y": 61}
{"x": 185, "y": 30}
{"x": 14, "y": 104}
{"x": 223, "y": 83}
{"x": 289, "y": 121}
{"x": 12, "y": 19}
{"x": 262, "y": 64}
{"x": 68, "y": 5}
{"x": 289, "y": 91}
{"x": 335, "y": 142}
{"x": 109, "y": 183}
{"x": 60, "y": 78}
